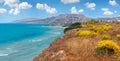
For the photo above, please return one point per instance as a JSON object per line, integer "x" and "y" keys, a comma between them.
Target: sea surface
{"x": 23, "y": 42}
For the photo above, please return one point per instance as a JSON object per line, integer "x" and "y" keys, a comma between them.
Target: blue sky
{"x": 19, "y": 9}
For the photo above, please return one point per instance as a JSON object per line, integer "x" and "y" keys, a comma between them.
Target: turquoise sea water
{"x": 23, "y": 42}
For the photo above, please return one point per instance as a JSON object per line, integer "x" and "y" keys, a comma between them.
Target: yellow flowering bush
{"x": 85, "y": 33}
{"x": 107, "y": 46}
{"x": 102, "y": 28}
{"x": 106, "y": 37}
{"x": 107, "y": 27}
{"x": 118, "y": 36}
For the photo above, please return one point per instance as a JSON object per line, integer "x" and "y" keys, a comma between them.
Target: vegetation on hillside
{"x": 86, "y": 42}
{"x": 72, "y": 26}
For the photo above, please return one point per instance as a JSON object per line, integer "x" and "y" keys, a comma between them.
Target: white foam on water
{"x": 36, "y": 40}
{"x": 7, "y": 51}
{"x": 2, "y": 54}
{"x": 44, "y": 37}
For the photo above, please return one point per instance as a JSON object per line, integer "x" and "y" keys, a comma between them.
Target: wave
{"x": 7, "y": 51}
{"x": 2, "y": 54}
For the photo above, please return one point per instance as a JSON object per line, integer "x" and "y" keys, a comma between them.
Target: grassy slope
{"x": 72, "y": 48}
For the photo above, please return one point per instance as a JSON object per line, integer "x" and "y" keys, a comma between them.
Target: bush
{"x": 85, "y": 33}
{"x": 101, "y": 28}
{"x": 107, "y": 46}
{"x": 106, "y": 37}
{"x": 66, "y": 29}
{"x": 98, "y": 29}
{"x": 107, "y": 27}
{"x": 118, "y": 36}
{"x": 73, "y": 26}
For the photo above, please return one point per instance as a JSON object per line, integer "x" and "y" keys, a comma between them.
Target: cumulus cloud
{"x": 15, "y": 11}
{"x": 69, "y": 1}
{"x": 75, "y": 11}
{"x": 15, "y": 6}
{"x": 11, "y": 11}
{"x": 90, "y": 5}
{"x": 24, "y": 5}
{"x": 106, "y": 11}
{"x": 81, "y": 10}
{"x": 113, "y": 2}
{"x": 11, "y": 3}
{"x": 2, "y": 10}
{"x": 40, "y": 6}
{"x": 19, "y": 7}
{"x": 47, "y": 8}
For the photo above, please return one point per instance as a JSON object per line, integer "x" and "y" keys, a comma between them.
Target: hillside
{"x": 63, "y": 19}
{"x": 75, "y": 46}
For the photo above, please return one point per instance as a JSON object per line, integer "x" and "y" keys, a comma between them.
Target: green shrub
{"x": 73, "y": 26}
{"x": 85, "y": 33}
{"x": 107, "y": 46}
{"x": 106, "y": 37}
{"x": 66, "y": 29}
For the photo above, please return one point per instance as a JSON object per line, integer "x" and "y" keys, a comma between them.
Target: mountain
{"x": 61, "y": 19}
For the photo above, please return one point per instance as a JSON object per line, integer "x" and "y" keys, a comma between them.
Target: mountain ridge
{"x": 63, "y": 19}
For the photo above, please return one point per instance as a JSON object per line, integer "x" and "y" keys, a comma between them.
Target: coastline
{"x": 71, "y": 47}
{"x": 20, "y": 50}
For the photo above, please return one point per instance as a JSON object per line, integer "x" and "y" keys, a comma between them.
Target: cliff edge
{"x": 72, "y": 48}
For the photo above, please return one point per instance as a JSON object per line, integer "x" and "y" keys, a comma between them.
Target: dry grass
{"x": 83, "y": 49}
{"x": 78, "y": 48}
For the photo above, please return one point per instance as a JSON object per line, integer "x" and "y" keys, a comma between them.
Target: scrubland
{"x": 85, "y": 42}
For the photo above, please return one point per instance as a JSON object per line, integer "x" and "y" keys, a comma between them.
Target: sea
{"x": 23, "y": 42}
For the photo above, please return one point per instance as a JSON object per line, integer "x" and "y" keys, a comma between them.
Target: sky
{"x": 11, "y": 10}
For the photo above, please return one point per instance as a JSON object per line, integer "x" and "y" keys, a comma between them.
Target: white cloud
{"x": 81, "y": 10}
{"x": 113, "y": 2}
{"x": 74, "y": 10}
{"x": 90, "y": 5}
{"x": 2, "y": 10}
{"x": 39, "y": 6}
{"x": 11, "y": 11}
{"x": 47, "y": 8}
{"x": 70, "y": 1}
{"x": 11, "y": 3}
{"x": 19, "y": 7}
{"x": 15, "y": 6}
{"x": 15, "y": 11}
{"x": 24, "y": 5}
{"x": 106, "y": 11}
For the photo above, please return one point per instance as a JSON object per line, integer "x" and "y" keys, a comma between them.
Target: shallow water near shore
{"x": 23, "y": 42}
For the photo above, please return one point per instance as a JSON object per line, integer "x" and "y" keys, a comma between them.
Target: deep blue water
{"x": 23, "y": 42}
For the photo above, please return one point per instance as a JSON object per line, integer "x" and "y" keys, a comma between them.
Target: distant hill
{"x": 63, "y": 19}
